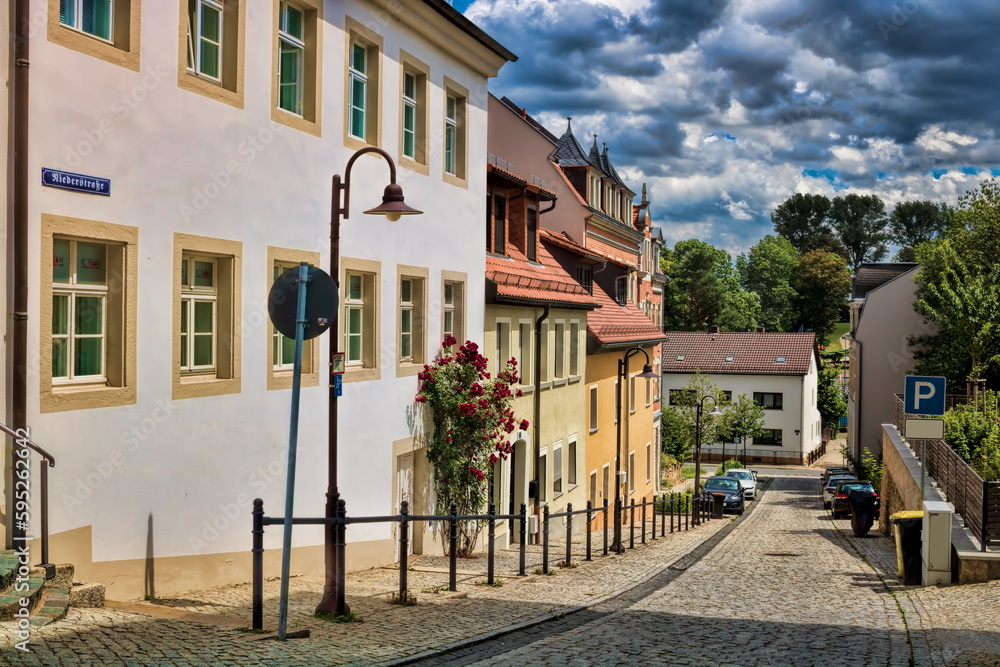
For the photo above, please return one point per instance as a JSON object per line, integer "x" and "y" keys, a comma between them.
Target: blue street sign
{"x": 924, "y": 395}
{"x": 67, "y": 180}
{"x": 338, "y": 384}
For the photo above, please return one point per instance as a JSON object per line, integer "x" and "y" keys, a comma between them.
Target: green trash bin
{"x": 906, "y": 528}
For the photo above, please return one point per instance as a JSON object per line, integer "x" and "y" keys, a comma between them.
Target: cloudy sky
{"x": 728, "y": 107}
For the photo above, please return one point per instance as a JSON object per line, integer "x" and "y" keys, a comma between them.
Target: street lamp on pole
{"x": 697, "y": 435}
{"x": 647, "y": 372}
{"x": 392, "y": 207}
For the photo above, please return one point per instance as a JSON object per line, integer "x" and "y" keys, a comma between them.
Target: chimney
{"x": 760, "y": 329}
{"x": 714, "y": 329}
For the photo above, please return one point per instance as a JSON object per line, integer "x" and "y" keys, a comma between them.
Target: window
{"x": 544, "y": 368}
{"x": 502, "y": 345}
{"x": 621, "y": 290}
{"x": 769, "y": 401}
{"x": 631, "y": 394}
{"x": 360, "y": 330}
{"x": 649, "y": 463}
{"x": 105, "y": 29}
{"x": 649, "y": 392}
{"x": 606, "y": 483}
{"x": 593, "y": 409}
{"x": 574, "y": 348}
{"x": 410, "y": 327}
{"x": 531, "y": 244}
{"x": 281, "y": 349}
{"x": 296, "y": 65}
{"x": 543, "y": 476}
{"x": 362, "y": 122}
{"x": 87, "y": 346}
{"x": 204, "y": 55}
{"x": 571, "y": 463}
{"x": 631, "y": 472}
{"x": 585, "y": 276}
{"x": 206, "y": 320}
{"x": 93, "y": 17}
{"x": 770, "y": 436}
{"x": 559, "y": 351}
{"x": 455, "y": 109}
{"x": 499, "y": 224}
{"x": 210, "y": 53}
{"x": 453, "y": 305}
{"x": 410, "y": 115}
{"x": 524, "y": 362}
{"x": 291, "y": 58}
{"x": 593, "y": 489}
{"x": 557, "y": 469}
{"x": 618, "y": 400}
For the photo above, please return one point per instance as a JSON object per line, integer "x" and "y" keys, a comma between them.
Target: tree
{"x": 822, "y": 283}
{"x": 472, "y": 417}
{"x": 860, "y": 224}
{"x": 704, "y": 290}
{"x": 830, "y": 400}
{"x": 676, "y": 438}
{"x": 677, "y": 426}
{"x": 915, "y": 222}
{"x": 743, "y": 420}
{"x": 767, "y": 270}
{"x": 801, "y": 217}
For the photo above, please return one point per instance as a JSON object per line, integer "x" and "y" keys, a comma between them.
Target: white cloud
{"x": 936, "y": 139}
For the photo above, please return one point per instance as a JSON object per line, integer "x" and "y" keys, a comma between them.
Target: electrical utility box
{"x": 935, "y": 549}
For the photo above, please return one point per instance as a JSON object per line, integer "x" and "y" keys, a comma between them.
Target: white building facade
{"x": 153, "y": 374}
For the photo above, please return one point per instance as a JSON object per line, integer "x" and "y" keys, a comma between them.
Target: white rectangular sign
{"x": 924, "y": 429}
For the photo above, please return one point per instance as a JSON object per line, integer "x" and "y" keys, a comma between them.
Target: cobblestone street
{"x": 781, "y": 586}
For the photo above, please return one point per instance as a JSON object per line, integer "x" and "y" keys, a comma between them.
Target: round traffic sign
{"x": 322, "y": 300}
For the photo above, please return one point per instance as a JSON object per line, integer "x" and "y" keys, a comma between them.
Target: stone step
{"x": 29, "y": 588}
{"x": 51, "y": 607}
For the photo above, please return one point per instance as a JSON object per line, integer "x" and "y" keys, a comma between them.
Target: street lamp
{"x": 392, "y": 207}
{"x": 697, "y": 436}
{"x": 647, "y": 372}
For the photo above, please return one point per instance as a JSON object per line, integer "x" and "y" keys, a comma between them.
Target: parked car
{"x": 747, "y": 480}
{"x": 731, "y": 490}
{"x": 831, "y": 485}
{"x": 835, "y": 470}
{"x": 841, "y": 506}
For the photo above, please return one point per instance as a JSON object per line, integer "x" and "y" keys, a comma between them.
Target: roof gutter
{"x": 544, "y": 303}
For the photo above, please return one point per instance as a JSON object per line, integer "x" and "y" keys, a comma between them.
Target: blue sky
{"x": 728, "y": 107}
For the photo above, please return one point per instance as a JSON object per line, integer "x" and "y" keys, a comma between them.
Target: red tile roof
{"x": 613, "y": 324}
{"x": 750, "y": 353}
{"x": 545, "y": 280}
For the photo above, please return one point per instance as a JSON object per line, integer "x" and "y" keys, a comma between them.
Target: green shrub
{"x": 726, "y": 465}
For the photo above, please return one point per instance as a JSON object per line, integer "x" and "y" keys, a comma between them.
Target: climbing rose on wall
{"x": 472, "y": 418}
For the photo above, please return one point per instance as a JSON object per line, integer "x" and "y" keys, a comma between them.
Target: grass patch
{"x": 435, "y": 590}
{"x": 539, "y": 570}
{"x": 570, "y": 565}
{"x": 349, "y": 617}
{"x": 838, "y": 331}
{"x": 407, "y": 599}
{"x": 497, "y": 583}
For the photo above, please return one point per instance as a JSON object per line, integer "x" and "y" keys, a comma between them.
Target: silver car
{"x": 747, "y": 480}
{"x": 830, "y": 486}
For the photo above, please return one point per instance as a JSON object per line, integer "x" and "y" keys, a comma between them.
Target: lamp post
{"x": 647, "y": 372}
{"x": 392, "y": 207}
{"x": 697, "y": 436}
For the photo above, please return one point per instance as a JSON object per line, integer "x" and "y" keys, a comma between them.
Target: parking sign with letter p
{"x": 924, "y": 395}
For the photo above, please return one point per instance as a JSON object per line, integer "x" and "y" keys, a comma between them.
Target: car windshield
{"x": 741, "y": 474}
{"x": 863, "y": 487}
{"x": 832, "y": 482}
{"x": 722, "y": 484}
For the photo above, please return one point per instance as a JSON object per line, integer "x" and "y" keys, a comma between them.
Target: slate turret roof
{"x": 569, "y": 151}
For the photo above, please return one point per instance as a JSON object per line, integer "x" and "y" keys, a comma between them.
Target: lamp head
{"x": 715, "y": 412}
{"x": 647, "y": 372}
{"x": 392, "y": 206}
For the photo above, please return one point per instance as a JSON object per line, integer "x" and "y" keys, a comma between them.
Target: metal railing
{"x": 48, "y": 461}
{"x": 682, "y": 512}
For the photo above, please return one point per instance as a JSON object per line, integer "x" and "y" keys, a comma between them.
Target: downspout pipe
{"x": 17, "y": 325}
{"x": 537, "y": 430}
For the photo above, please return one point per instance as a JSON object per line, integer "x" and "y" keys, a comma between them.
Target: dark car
{"x": 729, "y": 488}
{"x": 834, "y": 470}
{"x": 841, "y": 507}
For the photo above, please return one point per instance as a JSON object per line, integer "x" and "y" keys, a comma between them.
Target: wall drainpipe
{"x": 17, "y": 325}
{"x": 537, "y": 431}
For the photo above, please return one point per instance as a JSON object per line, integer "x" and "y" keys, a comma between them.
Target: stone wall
{"x": 900, "y": 478}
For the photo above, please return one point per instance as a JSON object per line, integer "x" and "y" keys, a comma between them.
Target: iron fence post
{"x": 404, "y": 547}
{"x": 545, "y": 539}
{"x": 644, "y": 522}
{"x": 984, "y": 535}
{"x": 569, "y": 533}
{"x": 590, "y": 527}
{"x": 687, "y": 513}
{"x": 605, "y": 526}
{"x": 341, "y": 554}
{"x": 673, "y": 500}
{"x": 631, "y": 525}
{"x": 491, "y": 536}
{"x": 524, "y": 537}
{"x": 258, "y": 564}
{"x": 453, "y": 556}
{"x": 49, "y": 569}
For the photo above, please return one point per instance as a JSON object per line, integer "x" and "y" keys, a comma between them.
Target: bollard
{"x": 687, "y": 513}
{"x": 340, "y": 549}
{"x": 569, "y": 533}
{"x": 590, "y": 520}
{"x": 404, "y": 547}
{"x": 644, "y": 522}
{"x": 605, "y": 526}
{"x": 453, "y": 556}
{"x": 524, "y": 537}
{"x": 631, "y": 525}
{"x": 492, "y": 538}
{"x": 673, "y": 499}
{"x": 663, "y": 515}
{"x": 545, "y": 540}
{"x": 258, "y": 564}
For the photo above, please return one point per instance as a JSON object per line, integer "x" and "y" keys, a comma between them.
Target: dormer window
{"x": 729, "y": 358}
{"x": 779, "y": 360}
{"x": 621, "y": 290}
{"x": 585, "y": 276}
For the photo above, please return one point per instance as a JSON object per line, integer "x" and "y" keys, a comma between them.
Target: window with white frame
{"x": 524, "y": 352}
{"x": 291, "y": 58}
{"x": 454, "y": 134}
{"x": 205, "y": 29}
{"x": 631, "y": 394}
{"x": 410, "y": 115}
{"x": 631, "y": 472}
{"x": 559, "y": 351}
{"x": 557, "y": 468}
{"x": 199, "y": 301}
{"x": 649, "y": 462}
{"x": 79, "y": 311}
{"x": 453, "y": 309}
{"x": 574, "y": 348}
{"x": 543, "y": 476}
{"x": 606, "y": 483}
{"x": 593, "y": 489}
{"x": 571, "y": 463}
{"x": 358, "y": 91}
{"x": 361, "y": 301}
{"x": 354, "y": 329}
{"x": 411, "y": 299}
{"x": 282, "y": 347}
{"x": 621, "y": 290}
{"x": 94, "y": 17}
{"x": 502, "y": 345}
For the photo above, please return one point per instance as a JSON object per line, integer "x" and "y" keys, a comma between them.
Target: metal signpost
{"x": 924, "y": 395}
{"x": 312, "y": 314}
